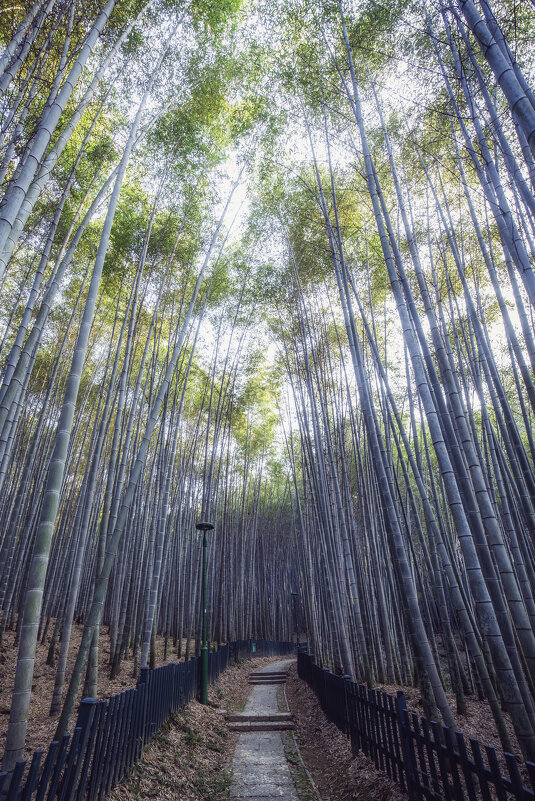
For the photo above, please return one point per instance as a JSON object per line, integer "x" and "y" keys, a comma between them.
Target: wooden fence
{"x": 428, "y": 760}
{"x": 110, "y": 734}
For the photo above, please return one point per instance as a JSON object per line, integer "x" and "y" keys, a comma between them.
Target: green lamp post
{"x": 294, "y": 599}
{"x": 204, "y": 526}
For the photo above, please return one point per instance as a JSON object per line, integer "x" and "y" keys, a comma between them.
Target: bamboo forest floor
{"x": 337, "y": 774}
{"x": 191, "y": 756}
{"x": 340, "y": 776}
{"x": 477, "y": 723}
{"x": 41, "y": 727}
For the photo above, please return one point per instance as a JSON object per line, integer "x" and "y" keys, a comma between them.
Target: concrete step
{"x": 277, "y": 674}
{"x": 274, "y": 717}
{"x": 284, "y": 725}
{"x": 267, "y": 681}
{"x": 263, "y": 676}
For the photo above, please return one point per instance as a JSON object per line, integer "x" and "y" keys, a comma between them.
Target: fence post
{"x": 347, "y": 724}
{"x": 69, "y": 780}
{"x": 407, "y": 747}
{"x": 16, "y": 777}
{"x": 326, "y": 693}
{"x": 86, "y": 713}
{"x": 144, "y": 679}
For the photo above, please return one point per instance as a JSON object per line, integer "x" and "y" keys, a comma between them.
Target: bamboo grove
{"x": 270, "y": 264}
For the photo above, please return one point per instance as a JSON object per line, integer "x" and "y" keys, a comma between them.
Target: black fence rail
{"x": 110, "y": 734}
{"x": 428, "y": 760}
{"x": 233, "y": 652}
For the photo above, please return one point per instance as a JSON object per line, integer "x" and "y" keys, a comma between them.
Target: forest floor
{"x": 478, "y": 722}
{"x": 326, "y": 752}
{"x": 41, "y": 726}
{"x": 190, "y": 757}
{"x": 200, "y": 747}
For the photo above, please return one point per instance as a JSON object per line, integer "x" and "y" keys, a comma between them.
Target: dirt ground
{"x": 325, "y": 746}
{"x": 41, "y": 726}
{"x": 190, "y": 758}
{"x": 337, "y": 774}
{"x": 477, "y": 723}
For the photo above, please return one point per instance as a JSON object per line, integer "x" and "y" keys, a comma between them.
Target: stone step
{"x": 274, "y": 717}
{"x": 268, "y": 676}
{"x": 267, "y": 681}
{"x": 271, "y": 673}
{"x": 283, "y": 725}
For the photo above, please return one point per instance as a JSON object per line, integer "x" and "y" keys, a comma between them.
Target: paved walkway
{"x": 259, "y": 767}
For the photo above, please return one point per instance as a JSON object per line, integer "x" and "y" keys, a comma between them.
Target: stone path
{"x": 259, "y": 768}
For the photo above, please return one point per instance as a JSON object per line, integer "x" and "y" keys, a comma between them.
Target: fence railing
{"x": 110, "y": 734}
{"x": 428, "y": 760}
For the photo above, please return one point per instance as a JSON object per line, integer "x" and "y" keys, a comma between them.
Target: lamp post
{"x": 204, "y": 526}
{"x": 294, "y": 599}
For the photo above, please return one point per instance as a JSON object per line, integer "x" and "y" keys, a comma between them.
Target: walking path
{"x": 259, "y": 768}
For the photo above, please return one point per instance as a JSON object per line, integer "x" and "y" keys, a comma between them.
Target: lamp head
{"x": 204, "y": 525}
